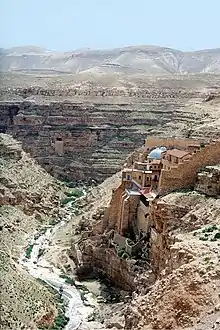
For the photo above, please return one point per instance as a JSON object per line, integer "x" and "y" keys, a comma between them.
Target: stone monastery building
{"x": 161, "y": 166}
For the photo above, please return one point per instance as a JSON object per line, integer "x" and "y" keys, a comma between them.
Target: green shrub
{"x": 207, "y": 259}
{"x": 43, "y": 230}
{"x": 217, "y": 235}
{"x": 53, "y": 222}
{"x": 41, "y": 252}
{"x": 77, "y": 212}
{"x": 29, "y": 250}
{"x": 68, "y": 279}
{"x": 65, "y": 201}
{"x": 75, "y": 193}
{"x": 60, "y": 321}
{"x": 203, "y": 238}
{"x": 211, "y": 229}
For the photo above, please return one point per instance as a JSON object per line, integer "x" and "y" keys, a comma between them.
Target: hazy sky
{"x": 69, "y": 24}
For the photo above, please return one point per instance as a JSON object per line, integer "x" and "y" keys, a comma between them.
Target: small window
{"x": 147, "y": 178}
{"x": 128, "y": 177}
{"x": 155, "y": 167}
{"x": 139, "y": 177}
{"x": 59, "y": 139}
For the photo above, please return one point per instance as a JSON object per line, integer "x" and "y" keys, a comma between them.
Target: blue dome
{"x": 156, "y": 153}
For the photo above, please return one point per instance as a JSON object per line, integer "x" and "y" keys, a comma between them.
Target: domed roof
{"x": 156, "y": 153}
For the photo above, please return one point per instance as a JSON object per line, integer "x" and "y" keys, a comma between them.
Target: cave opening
{"x": 13, "y": 111}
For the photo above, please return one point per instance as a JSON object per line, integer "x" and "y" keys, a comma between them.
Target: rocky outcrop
{"x": 208, "y": 182}
{"x": 187, "y": 268}
{"x": 100, "y": 258}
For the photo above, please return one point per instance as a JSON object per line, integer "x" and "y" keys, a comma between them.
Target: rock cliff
{"x": 87, "y": 133}
{"x": 185, "y": 257}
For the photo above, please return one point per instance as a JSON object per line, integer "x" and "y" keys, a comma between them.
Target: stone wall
{"x": 142, "y": 217}
{"x": 154, "y": 141}
{"x": 208, "y": 182}
{"x": 163, "y": 219}
{"x": 185, "y": 174}
{"x": 122, "y": 210}
{"x": 114, "y": 210}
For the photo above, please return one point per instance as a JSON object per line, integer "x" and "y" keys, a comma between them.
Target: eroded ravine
{"x": 79, "y": 312}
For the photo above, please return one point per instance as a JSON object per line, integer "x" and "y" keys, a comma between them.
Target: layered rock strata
{"x": 90, "y": 135}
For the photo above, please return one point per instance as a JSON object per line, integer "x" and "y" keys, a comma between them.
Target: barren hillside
{"x": 129, "y": 60}
{"x": 28, "y": 198}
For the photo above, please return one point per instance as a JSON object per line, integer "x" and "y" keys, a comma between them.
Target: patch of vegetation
{"x": 68, "y": 183}
{"x": 82, "y": 287}
{"x": 41, "y": 231}
{"x": 75, "y": 193}
{"x": 207, "y": 259}
{"x": 65, "y": 201}
{"x": 36, "y": 236}
{"x": 41, "y": 252}
{"x": 28, "y": 251}
{"x": 49, "y": 288}
{"x": 77, "y": 212}
{"x": 217, "y": 235}
{"x": 60, "y": 321}
{"x": 209, "y": 233}
{"x": 210, "y": 229}
{"x": 53, "y": 222}
{"x": 203, "y": 238}
{"x": 68, "y": 279}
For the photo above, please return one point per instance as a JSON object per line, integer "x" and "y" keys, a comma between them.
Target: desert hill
{"x": 130, "y": 60}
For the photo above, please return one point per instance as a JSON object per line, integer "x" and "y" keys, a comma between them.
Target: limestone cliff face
{"x": 120, "y": 272}
{"x": 90, "y": 138}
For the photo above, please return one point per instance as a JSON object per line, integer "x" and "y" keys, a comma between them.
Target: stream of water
{"x": 78, "y": 311}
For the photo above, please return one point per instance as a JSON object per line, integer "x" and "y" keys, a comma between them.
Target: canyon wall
{"x": 90, "y": 135}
